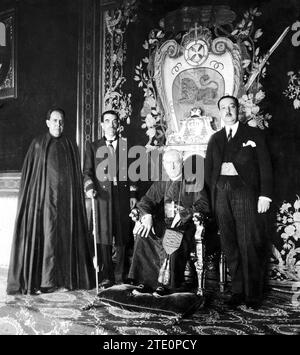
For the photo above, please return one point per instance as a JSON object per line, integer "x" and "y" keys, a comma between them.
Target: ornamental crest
{"x": 196, "y": 44}
{"x": 190, "y": 78}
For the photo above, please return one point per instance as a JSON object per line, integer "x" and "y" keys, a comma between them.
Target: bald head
{"x": 172, "y": 162}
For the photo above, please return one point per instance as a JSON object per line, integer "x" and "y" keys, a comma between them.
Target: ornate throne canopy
{"x": 190, "y": 77}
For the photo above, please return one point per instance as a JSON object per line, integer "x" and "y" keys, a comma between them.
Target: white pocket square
{"x": 251, "y": 143}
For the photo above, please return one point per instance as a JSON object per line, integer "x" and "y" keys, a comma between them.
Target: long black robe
{"x": 51, "y": 245}
{"x": 148, "y": 252}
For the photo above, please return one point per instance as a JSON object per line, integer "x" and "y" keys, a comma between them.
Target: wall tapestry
{"x": 116, "y": 22}
{"x": 293, "y": 90}
{"x": 245, "y": 36}
{"x": 8, "y": 74}
{"x": 286, "y": 259}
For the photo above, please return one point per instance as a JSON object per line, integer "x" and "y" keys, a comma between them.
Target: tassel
{"x": 164, "y": 272}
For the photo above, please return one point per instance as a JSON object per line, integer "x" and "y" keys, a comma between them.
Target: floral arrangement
{"x": 244, "y": 33}
{"x": 250, "y": 110}
{"x": 152, "y": 117}
{"x": 293, "y": 89}
{"x": 116, "y": 23}
{"x": 288, "y": 259}
{"x": 253, "y": 64}
{"x": 115, "y": 99}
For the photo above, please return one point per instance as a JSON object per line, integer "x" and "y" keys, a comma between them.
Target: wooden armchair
{"x": 198, "y": 256}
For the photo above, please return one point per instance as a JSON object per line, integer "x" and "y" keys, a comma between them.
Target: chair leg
{"x": 199, "y": 260}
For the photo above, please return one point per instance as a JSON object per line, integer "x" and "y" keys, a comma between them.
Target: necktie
{"x": 112, "y": 162}
{"x": 229, "y": 137}
{"x": 110, "y": 146}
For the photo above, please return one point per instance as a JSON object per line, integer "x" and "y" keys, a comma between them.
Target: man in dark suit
{"x": 239, "y": 173}
{"x": 105, "y": 178}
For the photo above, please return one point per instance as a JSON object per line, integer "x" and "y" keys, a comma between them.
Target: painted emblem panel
{"x": 190, "y": 78}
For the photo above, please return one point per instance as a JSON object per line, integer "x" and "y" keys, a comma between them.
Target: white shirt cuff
{"x": 265, "y": 198}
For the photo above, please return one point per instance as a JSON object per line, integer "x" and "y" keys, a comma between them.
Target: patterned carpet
{"x": 61, "y": 313}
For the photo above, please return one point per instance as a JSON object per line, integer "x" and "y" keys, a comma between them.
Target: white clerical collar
{"x": 233, "y": 128}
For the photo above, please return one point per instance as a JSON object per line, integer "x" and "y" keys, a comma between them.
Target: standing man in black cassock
{"x": 239, "y": 173}
{"x": 106, "y": 179}
{"x": 50, "y": 245}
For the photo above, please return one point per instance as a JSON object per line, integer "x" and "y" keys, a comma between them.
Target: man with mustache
{"x": 239, "y": 173}
{"x": 106, "y": 180}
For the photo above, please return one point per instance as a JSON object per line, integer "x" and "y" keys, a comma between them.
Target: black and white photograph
{"x": 149, "y": 170}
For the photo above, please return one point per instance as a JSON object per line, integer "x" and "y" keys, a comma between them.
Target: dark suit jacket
{"x": 95, "y": 164}
{"x": 253, "y": 164}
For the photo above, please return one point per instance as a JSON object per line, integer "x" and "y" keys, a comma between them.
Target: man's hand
{"x": 263, "y": 205}
{"x": 95, "y": 264}
{"x": 198, "y": 219}
{"x": 133, "y": 202}
{"x": 134, "y": 214}
{"x": 146, "y": 226}
{"x": 91, "y": 193}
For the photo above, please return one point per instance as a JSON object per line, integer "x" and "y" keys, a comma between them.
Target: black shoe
{"x": 255, "y": 305}
{"x": 105, "y": 284}
{"x": 130, "y": 282}
{"x": 49, "y": 289}
{"x": 235, "y": 300}
{"x": 142, "y": 288}
{"x": 185, "y": 287}
{"x": 161, "y": 291}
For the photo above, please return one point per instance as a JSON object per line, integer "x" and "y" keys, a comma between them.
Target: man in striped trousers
{"x": 239, "y": 173}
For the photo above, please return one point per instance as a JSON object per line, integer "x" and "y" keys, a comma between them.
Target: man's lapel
{"x": 221, "y": 141}
{"x": 119, "y": 143}
{"x": 102, "y": 141}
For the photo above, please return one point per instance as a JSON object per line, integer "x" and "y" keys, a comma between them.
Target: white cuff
{"x": 133, "y": 188}
{"x": 265, "y": 198}
{"x": 147, "y": 214}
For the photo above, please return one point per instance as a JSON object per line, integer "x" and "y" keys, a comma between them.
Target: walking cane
{"x": 94, "y": 216}
{"x": 95, "y": 242}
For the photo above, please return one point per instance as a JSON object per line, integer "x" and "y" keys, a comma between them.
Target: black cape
{"x": 51, "y": 245}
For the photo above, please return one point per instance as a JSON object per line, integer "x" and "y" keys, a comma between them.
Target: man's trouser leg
{"x": 119, "y": 265}
{"x": 105, "y": 262}
{"x": 241, "y": 239}
{"x": 251, "y": 242}
{"x": 229, "y": 241}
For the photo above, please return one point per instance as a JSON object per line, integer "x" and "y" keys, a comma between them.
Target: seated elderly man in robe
{"x": 153, "y": 266}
